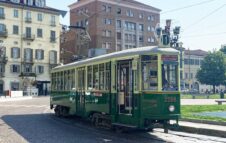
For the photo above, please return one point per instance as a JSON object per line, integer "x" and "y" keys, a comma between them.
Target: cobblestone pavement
{"x": 32, "y": 121}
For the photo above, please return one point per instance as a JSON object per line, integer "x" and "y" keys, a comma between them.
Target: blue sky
{"x": 203, "y": 26}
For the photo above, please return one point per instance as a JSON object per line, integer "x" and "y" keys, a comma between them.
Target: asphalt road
{"x": 32, "y": 121}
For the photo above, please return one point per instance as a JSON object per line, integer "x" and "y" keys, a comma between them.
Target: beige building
{"x": 29, "y": 37}
{"x": 192, "y": 63}
{"x": 114, "y": 25}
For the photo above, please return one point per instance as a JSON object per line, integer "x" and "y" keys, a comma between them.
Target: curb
{"x": 202, "y": 131}
{"x": 15, "y": 99}
{"x": 205, "y": 122}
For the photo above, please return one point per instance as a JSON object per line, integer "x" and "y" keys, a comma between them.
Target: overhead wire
{"x": 206, "y": 16}
{"x": 188, "y": 6}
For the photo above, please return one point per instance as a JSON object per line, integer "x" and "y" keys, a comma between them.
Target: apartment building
{"x": 114, "y": 25}
{"x": 29, "y": 43}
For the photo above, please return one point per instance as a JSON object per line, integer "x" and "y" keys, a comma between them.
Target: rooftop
{"x": 198, "y": 52}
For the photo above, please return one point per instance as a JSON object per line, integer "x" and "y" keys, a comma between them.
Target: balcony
{"x": 53, "y": 39}
{"x": 3, "y": 59}
{"x": 28, "y": 61}
{"x": 4, "y": 33}
{"x": 29, "y": 37}
{"x": 28, "y": 19}
{"x": 53, "y": 23}
{"x": 2, "y": 16}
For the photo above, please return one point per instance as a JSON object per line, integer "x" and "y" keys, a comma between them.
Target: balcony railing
{"x": 52, "y": 39}
{"x": 30, "y": 37}
{"x": 28, "y": 61}
{"x": 28, "y": 19}
{"x": 4, "y": 33}
{"x": 2, "y": 16}
{"x": 3, "y": 59}
{"x": 53, "y": 23}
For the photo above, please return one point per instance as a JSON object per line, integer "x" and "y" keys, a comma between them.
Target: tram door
{"x": 125, "y": 87}
{"x": 80, "y": 97}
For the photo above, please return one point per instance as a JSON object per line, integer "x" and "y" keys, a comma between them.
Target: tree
{"x": 212, "y": 70}
{"x": 223, "y": 49}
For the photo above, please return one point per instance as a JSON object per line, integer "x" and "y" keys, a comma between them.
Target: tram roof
{"x": 128, "y": 52}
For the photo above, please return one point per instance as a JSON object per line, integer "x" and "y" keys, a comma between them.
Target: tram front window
{"x": 169, "y": 77}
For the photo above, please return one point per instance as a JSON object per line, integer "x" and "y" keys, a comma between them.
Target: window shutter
{"x": 18, "y": 68}
{"x": 42, "y": 54}
{"x": 31, "y": 54}
{"x": 12, "y": 53}
{"x": 36, "y": 54}
{"x": 18, "y": 53}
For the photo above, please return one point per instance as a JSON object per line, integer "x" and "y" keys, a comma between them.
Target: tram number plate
{"x": 170, "y": 99}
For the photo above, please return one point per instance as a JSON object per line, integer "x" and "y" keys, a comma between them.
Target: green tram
{"x": 135, "y": 88}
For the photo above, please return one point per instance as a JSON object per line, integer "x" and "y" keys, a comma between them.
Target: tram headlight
{"x": 171, "y": 108}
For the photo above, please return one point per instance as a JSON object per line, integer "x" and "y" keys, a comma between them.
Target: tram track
{"x": 133, "y": 136}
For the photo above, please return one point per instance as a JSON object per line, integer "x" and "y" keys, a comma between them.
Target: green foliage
{"x": 188, "y": 111}
{"x": 212, "y": 70}
{"x": 223, "y": 49}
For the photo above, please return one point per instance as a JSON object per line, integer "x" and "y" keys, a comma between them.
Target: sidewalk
{"x": 9, "y": 99}
{"x": 201, "y": 128}
{"x": 198, "y": 102}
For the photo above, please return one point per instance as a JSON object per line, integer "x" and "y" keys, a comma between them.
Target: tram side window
{"x": 65, "y": 80}
{"x": 72, "y": 79}
{"x": 149, "y": 72}
{"x": 81, "y": 79}
{"x": 61, "y": 80}
{"x": 95, "y": 77}
{"x": 90, "y": 77}
{"x": 169, "y": 77}
{"x": 101, "y": 74}
{"x": 108, "y": 76}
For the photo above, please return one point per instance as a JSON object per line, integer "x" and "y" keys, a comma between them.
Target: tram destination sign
{"x": 169, "y": 58}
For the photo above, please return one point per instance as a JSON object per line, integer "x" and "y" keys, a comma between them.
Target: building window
{"x": 15, "y": 86}
{"x": 39, "y": 33}
{"x": 150, "y": 18}
{"x": 29, "y": 2}
{"x": 149, "y": 28}
{"x": 27, "y": 68}
{"x": 186, "y": 61}
{"x": 119, "y": 47}
{"x": 28, "y": 14}
{"x": 196, "y": 62}
{"x": 52, "y": 36}
{"x": 86, "y": 22}
{"x": 15, "y": 29}
{"x": 141, "y": 38}
{"x": 151, "y": 40}
{"x": 106, "y": 33}
{"x": 28, "y": 32}
{"x": 40, "y": 18}
{"x": 15, "y": 13}
{"x": 107, "y": 21}
{"x": 119, "y": 24}
{"x": 130, "y": 26}
{"x": 53, "y": 19}
{"x": 119, "y": 11}
{"x": 53, "y": 57}
{"x": 129, "y": 13}
{"x": 39, "y": 69}
{"x": 28, "y": 55}
{"x": 141, "y": 15}
{"x": 106, "y": 45}
{"x": 191, "y": 76}
{"x": 2, "y": 14}
{"x": 119, "y": 35}
{"x": 15, "y": 53}
{"x": 141, "y": 27}
{"x": 2, "y": 68}
{"x": 15, "y": 68}
{"x": 39, "y": 54}
{"x": 2, "y": 28}
{"x": 15, "y": 1}
{"x": 40, "y": 3}
{"x": 104, "y": 7}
